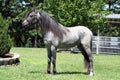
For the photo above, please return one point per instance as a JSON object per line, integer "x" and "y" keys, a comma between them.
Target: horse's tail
{"x": 91, "y": 45}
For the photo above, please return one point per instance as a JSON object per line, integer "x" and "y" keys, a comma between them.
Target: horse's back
{"x": 81, "y": 30}
{"x": 85, "y": 34}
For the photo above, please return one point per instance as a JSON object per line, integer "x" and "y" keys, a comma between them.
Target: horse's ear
{"x": 34, "y": 10}
{"x": 38, "y": 14}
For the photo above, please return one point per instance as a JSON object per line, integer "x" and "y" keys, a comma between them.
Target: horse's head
{"x": 31, "y": 18}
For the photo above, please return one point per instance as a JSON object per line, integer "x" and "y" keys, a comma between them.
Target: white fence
{"x": 103, "y": 44}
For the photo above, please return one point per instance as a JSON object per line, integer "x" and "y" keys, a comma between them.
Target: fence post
{"x": 98, "y": 42}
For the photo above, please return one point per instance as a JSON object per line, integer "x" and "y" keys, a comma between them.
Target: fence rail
{"x": 104, "y": 44}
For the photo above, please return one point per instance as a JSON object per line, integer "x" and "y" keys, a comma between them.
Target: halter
{"x": 28, "y": 21}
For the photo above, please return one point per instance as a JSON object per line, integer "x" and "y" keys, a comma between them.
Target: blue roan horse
{"x": 57, "y": 36}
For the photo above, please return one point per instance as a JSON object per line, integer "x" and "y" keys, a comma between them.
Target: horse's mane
{"x": 49, "y": 23}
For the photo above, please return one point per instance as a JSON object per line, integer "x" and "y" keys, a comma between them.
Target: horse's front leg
{"x": 49, "y": 60}
{"x": 53, "y": 52}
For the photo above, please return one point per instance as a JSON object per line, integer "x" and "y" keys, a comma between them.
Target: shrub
{"x": 5, "y": 41}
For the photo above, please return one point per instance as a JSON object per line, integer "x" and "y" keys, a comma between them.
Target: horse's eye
{"x": 31, "y": 15}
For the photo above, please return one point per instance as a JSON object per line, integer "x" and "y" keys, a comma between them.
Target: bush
{"x": 5, "y": 41}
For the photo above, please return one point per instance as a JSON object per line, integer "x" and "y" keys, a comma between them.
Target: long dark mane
{"x": 49, "y": 23}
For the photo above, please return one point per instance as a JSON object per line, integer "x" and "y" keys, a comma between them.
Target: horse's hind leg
{"x": 88, "y": 59}
{"x": 90, "y": 68}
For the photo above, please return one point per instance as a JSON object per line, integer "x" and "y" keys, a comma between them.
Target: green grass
{"x": 69, "y": 66}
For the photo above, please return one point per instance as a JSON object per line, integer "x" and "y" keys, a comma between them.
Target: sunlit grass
{"x": 69, "y": 66}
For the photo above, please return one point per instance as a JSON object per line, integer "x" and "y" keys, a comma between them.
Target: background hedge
{"x": 5, "y": 41}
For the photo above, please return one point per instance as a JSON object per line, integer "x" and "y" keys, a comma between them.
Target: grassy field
{"x": 69, "y": 66}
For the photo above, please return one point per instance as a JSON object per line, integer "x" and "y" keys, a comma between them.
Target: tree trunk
{"x": 35, "y": 41}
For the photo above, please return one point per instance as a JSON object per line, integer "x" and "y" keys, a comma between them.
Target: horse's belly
{"x": 68, "y": 43}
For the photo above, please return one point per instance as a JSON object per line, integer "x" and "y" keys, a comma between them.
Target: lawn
{"x": 69, "y": 66}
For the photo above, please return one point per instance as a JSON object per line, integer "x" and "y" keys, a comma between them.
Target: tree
{"x": 112, "y": 5}
{"x": 5, "y": 41}
{"x": 110, "y": 2}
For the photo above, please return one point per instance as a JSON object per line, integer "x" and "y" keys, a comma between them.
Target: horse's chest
{"x": 50, "y": 39}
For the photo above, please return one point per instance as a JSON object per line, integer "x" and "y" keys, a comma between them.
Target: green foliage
{"x": 5, "y": 41}
{"x": 14, "y": 11}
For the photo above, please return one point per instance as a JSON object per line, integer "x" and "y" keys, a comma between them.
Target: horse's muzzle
{"x": 25, "y": 23}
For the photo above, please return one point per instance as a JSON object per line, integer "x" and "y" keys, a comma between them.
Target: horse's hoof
{"x": 54, "y": 72}
{"x": 48, "y": 72}
{"x": 91, "y": 74}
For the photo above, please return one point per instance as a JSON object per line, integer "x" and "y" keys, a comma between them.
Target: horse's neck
{"x": 49, "y": 25}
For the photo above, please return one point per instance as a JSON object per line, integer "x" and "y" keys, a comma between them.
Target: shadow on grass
{"x": 59, "y": 73}
{"x": 35, "y": 72}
